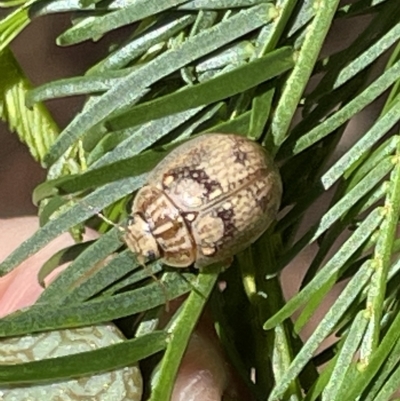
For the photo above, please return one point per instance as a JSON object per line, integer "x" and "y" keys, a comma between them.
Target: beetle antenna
{"x": 159, "y": 282}
{"x": 99, "y": 214}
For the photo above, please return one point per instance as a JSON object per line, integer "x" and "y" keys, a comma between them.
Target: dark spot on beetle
{"x": 240, "y": 156}
{"x": 197, "y": 155}
{"x": 262, "y": 199}
{"x": 263, "y": 202}
{"x": 227, "y": 216}
{"x": 151, "y": 256}
{"x": 197, "y": 175}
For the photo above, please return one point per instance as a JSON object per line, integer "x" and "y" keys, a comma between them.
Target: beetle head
{"x": 140, "y": 240}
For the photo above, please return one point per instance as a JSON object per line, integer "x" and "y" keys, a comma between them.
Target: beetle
{"x": 208, "y": 199}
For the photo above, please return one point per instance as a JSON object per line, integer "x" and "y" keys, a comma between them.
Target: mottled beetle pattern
{"x": 207, "y": 200}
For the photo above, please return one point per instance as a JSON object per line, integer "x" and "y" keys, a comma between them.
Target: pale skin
{"x": 204, "y": 375}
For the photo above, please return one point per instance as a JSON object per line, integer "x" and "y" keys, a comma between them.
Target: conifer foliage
{"x": 181, "y": 68}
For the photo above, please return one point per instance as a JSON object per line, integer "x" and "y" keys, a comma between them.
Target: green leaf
{"x": 86, "y": 363}
{"x": 390, "y": 387}
{"x": 194, "y": 48}
{"x": 352, "y": 60}
{"x": 345, "y": 357}
{"x": 238, "y": 125}
{"x": 322, "y": 331}
{"x": 95, "y": 27}
{"x": 44, "y": 7}
{"x": 78, "y": 213}
{"x": 90, "y": 84}
{"x": 370, "y": 55}
{"x": 83, "y": 267}
{"x": 384, "y": 373}
{"x": 377, "y": 131}
{"x": 34, "y": 127}
{"x": 301, "y": 73}
{"x": 260, "y": 112}
{"x": 353, "y": 107}
{"x": 11, "y": 26}
{"x": 64, "y": 256}
{"x": 370, "y": 160}
{"x": 222, "y": 86}
{"x": 364, "y": 377}
{"x": 354, "y": 195}
{"x": 140, "y": 138}
{"x": 218, "y": 4}
{"x": 159, "y": 33}
{"x": 382, "y": 260}
{"x": 180, "y": 331}
{"x": 118, "y": 266}
{"x": 363, "y": 232}
{"x": 42, "y": 317}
